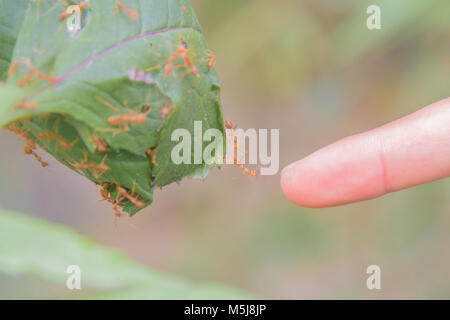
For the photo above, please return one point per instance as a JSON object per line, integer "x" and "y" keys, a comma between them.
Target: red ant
{"x": 51, "y": 136}
{"x": 212, "y": 60}
{"x": 34, "y": 72}
{"x": 131, "y": 197}
{"x": 182, "y": 52}
{"x": 229, "y": 125}
{"x": 102, "y": 167}
{"x": 244, "y": 169}
{"x": 12, "y": 69}
{"x": 40, "y": 75}
{"x": 117, "y": 212}
{"x": 105, "y": 195}
{"x": 131, "y": 13}
{"x": 124, "y": 120}
{"x": 152, "y": 154}
{"x": 27, "y": 105}
{"x": 28, "y": 148}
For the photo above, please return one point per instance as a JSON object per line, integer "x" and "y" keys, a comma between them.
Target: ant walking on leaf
{"x": 133, "y": 14}
{"x": 123, "y": 193}
{"x": 27, "y": 105}
{"x": 33, "y": 72}
{"x": 12, "y": 69}
{"x": 212, "y": 59}
{"x": 51, "y": 136}
{"x": 182, "y": 52}
{"x": 64, "y": 144}
{"x": 123, "y": 120}
{"x": 185, "y": 9}
{"x": 95, "y": 167}
{"x": 152, "y": 154}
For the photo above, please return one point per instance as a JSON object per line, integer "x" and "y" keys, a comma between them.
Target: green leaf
{"x": 83, "y": 79}
{"x": 48, "y": 249}
{"x": 11, "y": 18}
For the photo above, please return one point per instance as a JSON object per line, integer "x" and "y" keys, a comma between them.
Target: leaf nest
{"x": 105, "y": 99}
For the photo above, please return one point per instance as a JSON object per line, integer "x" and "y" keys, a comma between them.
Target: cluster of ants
{"x": 32, "y": 72}
{"x": 99, "y": 169}
{"x": 29, "y": 145}
{"x": 183, "y": 52}
{"x": 122, "y": 121}
{"x": 123, "y": 196}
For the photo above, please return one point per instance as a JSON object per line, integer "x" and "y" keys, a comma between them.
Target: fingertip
{"x": 297, "y": 184}
{"x": 341, "y": 173}
{"x": 287, "y": 182}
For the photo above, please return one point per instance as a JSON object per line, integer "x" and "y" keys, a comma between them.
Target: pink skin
{"x": 401, "y": 154}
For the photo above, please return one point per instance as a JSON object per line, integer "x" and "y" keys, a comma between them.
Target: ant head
{"x": 228, "y": 124}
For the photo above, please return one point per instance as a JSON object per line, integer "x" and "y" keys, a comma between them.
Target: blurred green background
{"x": 312, "y": 69}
